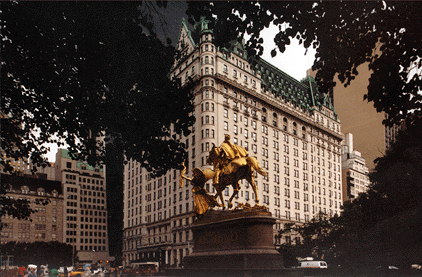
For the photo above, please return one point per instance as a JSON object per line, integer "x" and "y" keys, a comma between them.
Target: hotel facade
{"x": 46, "y": 223}
{"x": 288, "y": 125}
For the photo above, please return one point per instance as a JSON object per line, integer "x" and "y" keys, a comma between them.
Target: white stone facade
{"x": 354, "y": 170}
{"x": 286, "y": 124}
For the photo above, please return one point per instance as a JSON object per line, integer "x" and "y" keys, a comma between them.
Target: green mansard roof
{"x": 304, "y": 93}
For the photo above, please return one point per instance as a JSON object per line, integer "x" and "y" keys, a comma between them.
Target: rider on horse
{"x": 228, "y": 152}
{"x": 232, "y": 151}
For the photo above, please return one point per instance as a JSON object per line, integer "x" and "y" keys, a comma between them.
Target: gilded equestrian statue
{"x": 231, "y": 164}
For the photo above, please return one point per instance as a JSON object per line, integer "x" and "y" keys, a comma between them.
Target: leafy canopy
{"x": 387, "y": 216}
{"x": 345, "y": 35}
{"x": 78, "y": 71}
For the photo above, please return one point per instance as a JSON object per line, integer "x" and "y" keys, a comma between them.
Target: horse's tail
{"x": 253, "y": 163}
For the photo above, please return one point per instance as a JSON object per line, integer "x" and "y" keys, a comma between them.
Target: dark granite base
{"x": 234, "y": 261}
{"x": 234, "y": 243}
{"x": 227, "y": 272}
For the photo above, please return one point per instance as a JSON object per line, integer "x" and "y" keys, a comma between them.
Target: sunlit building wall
{"x": 354, "y": 170}
{"x": 46, "y": 223}
{"x": 288, "y": 125}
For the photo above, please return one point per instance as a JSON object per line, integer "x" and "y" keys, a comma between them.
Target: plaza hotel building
{"x": 288, "y": 125}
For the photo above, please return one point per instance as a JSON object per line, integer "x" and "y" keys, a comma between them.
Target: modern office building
{"x": 46, "y": 224}
{"x": 84, "y": 207}
{"x": 355, "y": 177}
{"x": 288, "y": 125}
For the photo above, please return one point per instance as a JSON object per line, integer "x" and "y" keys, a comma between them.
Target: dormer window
{"x": 40, "y": 192}
{"x": 25, "y": 190}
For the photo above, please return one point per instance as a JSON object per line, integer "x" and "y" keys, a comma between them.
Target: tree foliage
{"x": 345, "y": 34}
{"x": 398, "y": 174}
{"x": 378, "y": 219}
{"x": 17, "y": 208}
{"x": 78, "y": 71}
{"x": 316, "y": 236}
{"x": 55, "y": 254}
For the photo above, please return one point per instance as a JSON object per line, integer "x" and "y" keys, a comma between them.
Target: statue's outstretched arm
{"x": 182, "y": 176}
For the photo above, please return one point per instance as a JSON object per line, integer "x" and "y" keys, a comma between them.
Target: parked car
{"x": 312, "y": 264}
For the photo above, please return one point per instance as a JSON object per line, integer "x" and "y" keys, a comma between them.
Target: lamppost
{"x": 73, "y": 245}
{"x": 73, "y": 254}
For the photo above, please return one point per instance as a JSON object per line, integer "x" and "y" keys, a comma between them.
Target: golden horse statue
{"x": 230, "y": 172}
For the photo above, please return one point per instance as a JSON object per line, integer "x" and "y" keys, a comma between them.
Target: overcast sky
{"x": 293, "y": 61}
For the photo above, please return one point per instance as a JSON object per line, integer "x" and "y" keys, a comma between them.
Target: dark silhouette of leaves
{"x": 79, "y": 71}
{"x": 345, "y": 34}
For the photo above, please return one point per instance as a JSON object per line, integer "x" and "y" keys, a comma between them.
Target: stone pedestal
{"x": 234, "y": 243}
